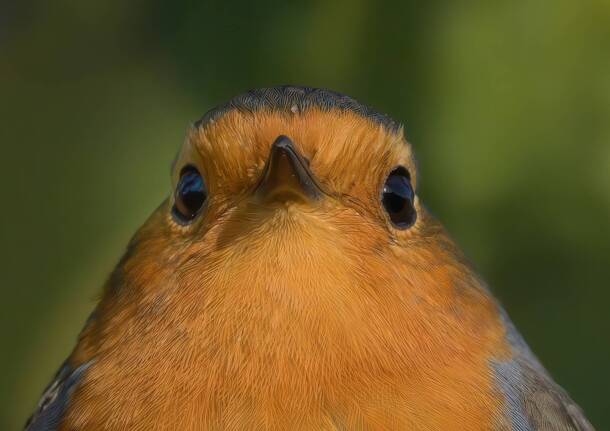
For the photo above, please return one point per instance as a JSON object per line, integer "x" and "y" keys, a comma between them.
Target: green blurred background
{"x": 507, "y": 104}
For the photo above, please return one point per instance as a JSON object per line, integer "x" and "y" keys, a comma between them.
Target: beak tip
{"x": 282, "y": 142}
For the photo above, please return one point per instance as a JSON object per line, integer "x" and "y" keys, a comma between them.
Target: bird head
{"x": 302, "y": 203}
{"x": 273, "y": 178}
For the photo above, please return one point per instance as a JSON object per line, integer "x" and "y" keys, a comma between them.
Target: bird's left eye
{"x": 190, "y": 195}
{"x": 398, "y": 198}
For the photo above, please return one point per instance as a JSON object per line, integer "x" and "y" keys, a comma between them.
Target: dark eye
{"x": 397, "y": 198}
{"x": 190, "y": 194}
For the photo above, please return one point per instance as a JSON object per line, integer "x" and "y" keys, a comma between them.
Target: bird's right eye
{"x": 190, "y": 195}
{"x": 398, "y": 197}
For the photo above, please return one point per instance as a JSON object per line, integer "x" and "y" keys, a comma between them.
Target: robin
{"x": 295, "y": 281}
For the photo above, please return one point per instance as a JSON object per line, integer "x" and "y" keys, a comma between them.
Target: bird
{"x": 294, "y": 280}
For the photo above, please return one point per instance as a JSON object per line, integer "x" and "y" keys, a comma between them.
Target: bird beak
{"x": 286, "y": 175}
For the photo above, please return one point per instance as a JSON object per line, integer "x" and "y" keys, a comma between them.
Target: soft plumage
{"x": 292, "y": 311}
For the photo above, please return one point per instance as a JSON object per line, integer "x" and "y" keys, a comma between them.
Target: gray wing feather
{"x": 55, "y": 399}
{"x": 534, "y": 401}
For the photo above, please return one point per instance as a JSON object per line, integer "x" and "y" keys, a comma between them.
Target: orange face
{"x": 349, "y": 157}
{"x": 330, "y": 263}
{"x": 281, "y": 253}
{"x": 278, "y": 289}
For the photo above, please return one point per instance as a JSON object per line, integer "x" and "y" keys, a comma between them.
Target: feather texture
{"x": 299, "y": 315}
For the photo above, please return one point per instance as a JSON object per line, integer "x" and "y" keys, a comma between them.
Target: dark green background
{"x": 506, "y": 103}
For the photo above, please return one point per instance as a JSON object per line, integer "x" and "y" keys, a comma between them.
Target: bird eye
{"x": 190, "y": 195}
{"x": 398, "y": 198}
